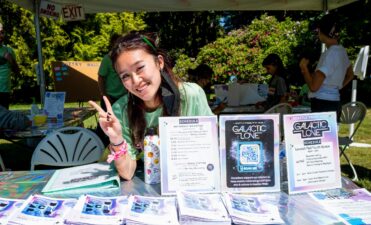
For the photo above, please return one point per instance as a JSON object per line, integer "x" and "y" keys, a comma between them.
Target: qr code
{"x": 249, "y": 154}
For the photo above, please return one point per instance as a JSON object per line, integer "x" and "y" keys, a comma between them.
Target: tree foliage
{"x": 81, "y": 40}
{"x": 185, "y": 31}
{"x": 242, "y": 51}
{"x": 231, "y": 42}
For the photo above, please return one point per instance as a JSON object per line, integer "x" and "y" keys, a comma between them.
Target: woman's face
{"x": 271, "y": 69}
{"x": 140, "y": 74}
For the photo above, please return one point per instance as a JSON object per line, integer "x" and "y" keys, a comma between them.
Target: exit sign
{"x": 73, "y": 12}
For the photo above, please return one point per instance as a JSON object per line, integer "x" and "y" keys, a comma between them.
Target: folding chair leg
{"x": 2, "y": 164}
{"x": 351, "y": 166}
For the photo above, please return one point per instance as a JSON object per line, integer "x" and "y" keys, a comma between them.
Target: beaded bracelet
{"x": 117, "y": 154}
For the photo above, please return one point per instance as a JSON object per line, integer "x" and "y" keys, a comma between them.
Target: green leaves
{"x": 241, "y": 51}
{"x": 86, "y": 40}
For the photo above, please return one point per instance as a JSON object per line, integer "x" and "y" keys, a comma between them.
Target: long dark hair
{"x": 135, "y": 108}
{"x": 275, "y": 60}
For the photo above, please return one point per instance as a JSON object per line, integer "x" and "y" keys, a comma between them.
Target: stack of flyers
{"x": 251, "y": 209}
{"x": 151, "y": 211}
{"x": 351, "y": 206}
{"x": 202, "y": 209}
{"x": 93, "y": 210}
{"x": 38, "y": 209}
{"x": 7, "y": 208}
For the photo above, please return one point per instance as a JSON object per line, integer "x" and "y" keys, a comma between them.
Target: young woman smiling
{"x": 154, "y": 91}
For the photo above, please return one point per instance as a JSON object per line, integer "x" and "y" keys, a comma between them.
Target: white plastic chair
{"x": 284, "y": 108}
{"x": 281, "y": 108}
{"x": 68, "y": 146}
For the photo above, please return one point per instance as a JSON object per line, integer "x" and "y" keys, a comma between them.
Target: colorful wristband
{"x": 117, "y": 154}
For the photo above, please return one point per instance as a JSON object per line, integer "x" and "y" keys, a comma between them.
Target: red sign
{"x": 49, "y": 9}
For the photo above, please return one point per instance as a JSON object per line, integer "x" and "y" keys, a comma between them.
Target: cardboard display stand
{"x": 78, "y": 79}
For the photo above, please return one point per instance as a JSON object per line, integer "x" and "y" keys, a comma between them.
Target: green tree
{"x": 242, "y": 51}
{"x": 80, "y": 40}
{"x": 20, "y": 35}
{"x": 91, "y": 37}
{"x": 185, "y": 31}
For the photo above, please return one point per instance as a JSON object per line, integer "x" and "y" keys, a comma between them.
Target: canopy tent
{"x": 99, "y": 6}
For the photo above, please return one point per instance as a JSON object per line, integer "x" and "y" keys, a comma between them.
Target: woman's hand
{"x": 112, "y": 128}
{"x": 109, "y": 122}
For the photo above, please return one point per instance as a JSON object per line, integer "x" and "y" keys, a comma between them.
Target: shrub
{"x": 242, "y": 51}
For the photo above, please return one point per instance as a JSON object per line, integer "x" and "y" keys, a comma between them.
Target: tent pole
{"x": 40, "y": 68}
{"x": 325, "y": 10}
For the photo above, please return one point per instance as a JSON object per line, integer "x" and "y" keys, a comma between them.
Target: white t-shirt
{"x": 334, "y": 63}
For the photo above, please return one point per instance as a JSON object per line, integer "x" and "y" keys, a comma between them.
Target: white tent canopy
{"x": 99, "y": 6}
{"x": 96, "y": 6}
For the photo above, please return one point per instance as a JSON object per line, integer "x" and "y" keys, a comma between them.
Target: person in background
{"x": 202, "y": 76}
{"x": 278, "y": 88}
{"x": 8, "y": 64}
{"x": 333, "y": 70}
{"x": 109, "y": 85}
{"x": 13, "y": 120}
{"x": 154, "y": 91}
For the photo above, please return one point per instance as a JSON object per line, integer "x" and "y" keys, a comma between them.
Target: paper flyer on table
{"x": 189, "y": 155}
{"x": 252, "y": 209}
{"x": 312, "y": 152}
{"x": 38, "y": 209}
{"x": 249, "y": 146}
{"x": 89, "y": 178}
{"x": 207, "y": 207}
{"x": 352, "y": 206}
{"x": 8, "y": 207}
{"x": 152, "y": 210}
{"x": 98, "y": 210}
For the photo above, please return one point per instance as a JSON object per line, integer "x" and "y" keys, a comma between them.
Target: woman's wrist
{"x": 116, "y": 141}
{"x": 117, "y": 150}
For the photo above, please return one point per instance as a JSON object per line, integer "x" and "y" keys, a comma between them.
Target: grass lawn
{"x": 360, "y": 157}
{"x": 18, "y": 158}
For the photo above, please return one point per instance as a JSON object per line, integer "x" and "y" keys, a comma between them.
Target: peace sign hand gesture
{"x": 109, "y": 122}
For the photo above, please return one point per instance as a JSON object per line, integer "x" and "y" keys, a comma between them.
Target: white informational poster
{"x": 352, "y": 207}
{"x": 249, "y": 153}
{"x": 189, "y": 155}
{"x": 54, "y": 104}
{"x": 312, "y": 152}
{"x": 252, "y": 93}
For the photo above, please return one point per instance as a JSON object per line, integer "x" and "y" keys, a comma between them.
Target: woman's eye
{"x": 140, "y": 69}
{"x": 124, "y": 77}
